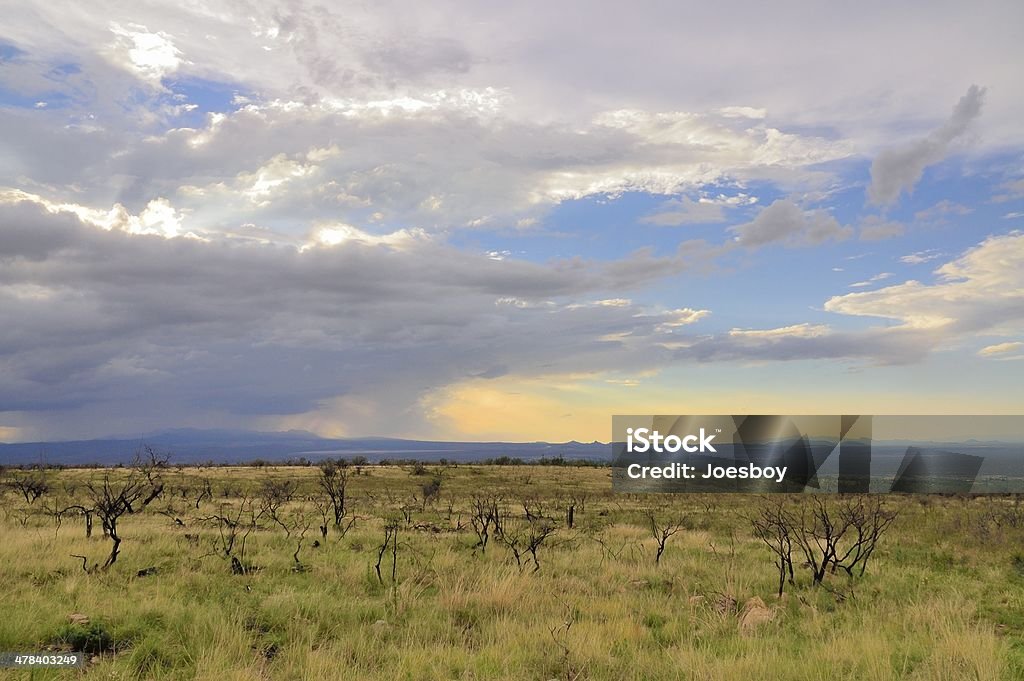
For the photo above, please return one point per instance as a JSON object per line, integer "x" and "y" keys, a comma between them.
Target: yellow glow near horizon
{"x": 558, "y": 409}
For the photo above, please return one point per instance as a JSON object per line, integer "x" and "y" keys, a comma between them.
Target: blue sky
{"x": 479, "y": 224}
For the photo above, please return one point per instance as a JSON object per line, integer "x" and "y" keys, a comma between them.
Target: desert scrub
{"x": 937, "y": 601}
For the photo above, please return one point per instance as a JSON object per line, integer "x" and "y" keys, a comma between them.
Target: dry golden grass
{"x": 942, "y": 599}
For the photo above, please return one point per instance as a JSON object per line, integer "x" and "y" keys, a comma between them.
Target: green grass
{"x": 943, "y": 597}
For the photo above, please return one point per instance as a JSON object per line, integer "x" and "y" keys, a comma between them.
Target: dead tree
{"x": 774, "y": 525}
{"x": 831, "y": 533}
{"x": 484, "y": 518}
{"x": 524, "y": 536}
{"x": 534, "y": 509}
{"x": 662, "y": 531}
{"x": 300, "y": 526}
{"x": 58, "y": 514}
{"x": 205, "y": 492}
{"x": 152, "y": 465}
{"x": 575, "y": 501}
{"x": 31, "y": 484}
{"x": 323, "y": 508}
{"x": 539, "y": 532}
{"x": 234, "y": 525}
{"x": 333, "y": 481}
{"x": 868, "y": 520}
{"x": 273, "y": 495}
{"x": 390, "y": 539}
{"x": 111, "y": 498}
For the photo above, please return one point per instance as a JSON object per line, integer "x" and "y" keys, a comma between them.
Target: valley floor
{"x": 942, "y": 596}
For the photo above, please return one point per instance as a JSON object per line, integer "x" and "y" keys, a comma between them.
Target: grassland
{"x": 943, "y": 596}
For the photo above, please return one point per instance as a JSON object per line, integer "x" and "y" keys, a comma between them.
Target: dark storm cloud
{"x": 94, "y": 316}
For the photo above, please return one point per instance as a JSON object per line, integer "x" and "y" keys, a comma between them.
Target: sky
{"x": 482, "y": 221}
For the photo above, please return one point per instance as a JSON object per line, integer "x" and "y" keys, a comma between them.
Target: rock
{"x": 78, "y": 618}
{"x": 754, "y": 614}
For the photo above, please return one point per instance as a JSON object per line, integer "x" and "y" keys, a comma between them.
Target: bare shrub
{"x": 274, "y": 494}
{"x": 772, "y": 525}
{"x": 112, "y": 497}
{"x": 234, "y": 525}
{"x": 662, "y": 525}
{"x": 831, "y": 534}
{"x": 524, "y": 537}
{"x": 484, "y": 519}
{"x": 31, "y": 484}
{"x": 390, "y": 540}
{"x": 332, "y": 481}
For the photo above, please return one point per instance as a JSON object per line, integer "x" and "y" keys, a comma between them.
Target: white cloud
{"x": 683, "y": 317}
{"x": 921, "y": 257}
{"x": 743, "y": 112}
{"x": 151, "y": 55}
{"x": 1011, "y": 350}
{"x": 982, "y": 290}
{"x": 158, "y": 217}
{"x": 794, "y": 331}
{"x": 261, "y": 185}
{"x": 882, "y": 276}
{"x": 336, "y": 234}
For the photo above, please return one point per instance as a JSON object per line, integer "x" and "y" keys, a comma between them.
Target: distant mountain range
{"x": 189, "y": 445}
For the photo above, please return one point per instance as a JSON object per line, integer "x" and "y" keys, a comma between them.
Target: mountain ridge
{"x": 195, "y": 445}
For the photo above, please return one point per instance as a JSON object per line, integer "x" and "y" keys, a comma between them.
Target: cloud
{"x": 875, "y": 228}
{"x": 921, "y": 257}
{"x": 109, "y": 330}
{"x": 898, "y": 169}
{"x": 151, "y": 55}
{"x": 237, "y": 213}
{"x": 785, "y": 222}
{"x": 686, "y": 211}
{"x": 882, "y": 276}
{"x": 1010, "y": 191}
{"x": 441, "y": 160}
{"x": 982, "y": 290}
{"x": 1011, "y": 350}
{"x": 805, "y": 342}
{"x": 941, "y": 210}
{"x": 115, "y": 330}
{"x": 795, "y": 331}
